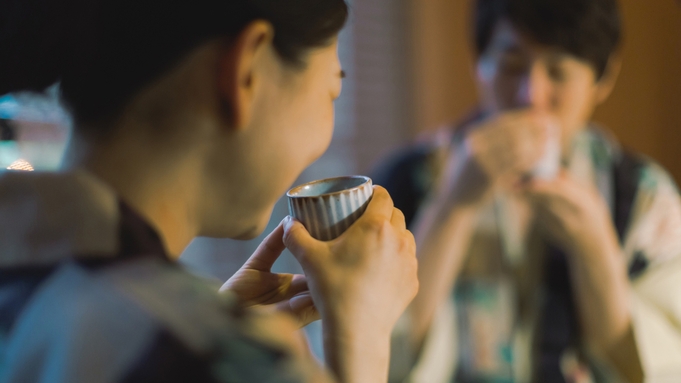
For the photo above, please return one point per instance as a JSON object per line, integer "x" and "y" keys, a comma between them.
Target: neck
{"x": 164, "y": 189}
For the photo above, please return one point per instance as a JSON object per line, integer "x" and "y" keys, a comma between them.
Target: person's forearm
{"x": 356, "y": 356}
{"x": 602, "y": 297}
{"x": 443, "y": 236}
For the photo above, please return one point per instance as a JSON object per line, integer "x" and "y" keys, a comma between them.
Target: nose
{"x": 535, "y": 89}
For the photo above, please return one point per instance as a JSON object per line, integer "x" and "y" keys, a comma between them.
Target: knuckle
{"x": 409, "y": 242}
{"x": 380, "y": 192}
{"x": 398, "y": 216}
{"x": 375, "y": 224}
{"x": 411, "y": 283}
{"x": 414, "y": 260}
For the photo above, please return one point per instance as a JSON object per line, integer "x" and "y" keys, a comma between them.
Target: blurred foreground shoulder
{"x": 143, "y": 321}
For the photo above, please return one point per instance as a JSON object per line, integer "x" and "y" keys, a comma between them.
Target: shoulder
{"x": 647, "y": 205}
{"x": 418, "y": 162}
{"x": 651, "y": 180}
{"x": 142, "y": 320}
{"x": 403, "y": 165}
{"x": 654, "y": 228}
{"x": 408, "y": 174}
{"x": 411, "y": 172}
{"x": 630, "y": 166}
{"x": 654, "y": 177}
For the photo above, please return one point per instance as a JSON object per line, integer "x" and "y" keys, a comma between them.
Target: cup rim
{"x": 295, "y": 189}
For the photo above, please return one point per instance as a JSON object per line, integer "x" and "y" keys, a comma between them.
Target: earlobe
{"x": 607, "y": 82}
{"x": 238, "y": 72}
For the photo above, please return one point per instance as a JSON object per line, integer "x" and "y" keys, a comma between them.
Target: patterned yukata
{"x": 511, "y": 311}
{"x": 88, "y": 294}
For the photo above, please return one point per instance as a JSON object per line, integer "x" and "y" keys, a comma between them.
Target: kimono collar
{"x": 47, "y": 218}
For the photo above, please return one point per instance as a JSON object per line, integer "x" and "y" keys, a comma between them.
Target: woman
{"x": 191, "y": 118}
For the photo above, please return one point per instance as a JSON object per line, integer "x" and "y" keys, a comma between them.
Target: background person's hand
{"x": 362, "y": 281}
{"x": 575, "y": 216}
{"x": 501, "y": 150}
{"x": 255, "y": 284}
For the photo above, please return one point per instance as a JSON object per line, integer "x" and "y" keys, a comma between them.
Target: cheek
{"x": 317, "y": 140}
{"x": 307, "y": 133}
{"x": 326, "y": 127}
{"x": 574, "y": 105}
{"x": 319, "y": 125}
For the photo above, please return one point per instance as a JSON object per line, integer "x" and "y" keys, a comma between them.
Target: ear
{"x": 238, "y": 73}
{"x": 607, "y": 82}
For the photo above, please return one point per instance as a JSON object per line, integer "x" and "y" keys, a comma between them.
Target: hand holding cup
{"x": 363, "y": 280}
{"x": 502, "y": 150}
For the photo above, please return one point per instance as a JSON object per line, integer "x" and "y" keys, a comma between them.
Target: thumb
{"x": 298, "y": 240}
{"x": 268, "y": 251}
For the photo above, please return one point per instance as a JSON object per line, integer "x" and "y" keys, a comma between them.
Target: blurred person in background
{"x": 547, "y": 253}
{"x": 191, "y": 118}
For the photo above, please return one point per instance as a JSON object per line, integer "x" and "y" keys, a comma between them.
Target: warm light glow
{"x": 21, "y": 165}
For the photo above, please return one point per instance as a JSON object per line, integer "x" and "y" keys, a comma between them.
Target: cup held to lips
{"x": 330, "y": 206}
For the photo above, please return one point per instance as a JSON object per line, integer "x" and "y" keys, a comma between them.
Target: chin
{"x": 250, "y": 233}
{"x": 241, "y": 231}
{"x": 253, "y": 229}
{"x": 244, "y": 233}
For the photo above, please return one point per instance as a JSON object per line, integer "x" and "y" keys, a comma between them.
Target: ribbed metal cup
{"x": 328, "y": 207}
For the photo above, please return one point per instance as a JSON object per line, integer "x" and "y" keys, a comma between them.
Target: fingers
{"x": 513, "y": 142}
{"x": 549, "y": 224}
{"x": 299, "y": 241}
{"x": 539, "y": 188}
{"x": 542, "y": 194}
{"x": 560, "y": 197}
{"x": 301, "y": 307}
{"x": 284, "y": 287}
{"x": 410, "y": 242}
{"x": 268, "y": 251}
{"x": 398, "y": 220}
{"x": 526, "y": 144}
{"x": 381, "y": 205}
{"x": 298, "y": 285}
{"x": 560, "y": 186}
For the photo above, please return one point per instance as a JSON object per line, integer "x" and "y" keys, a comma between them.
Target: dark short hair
{"x": 104, "y": 51}
{"x": 587, "y": 29}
